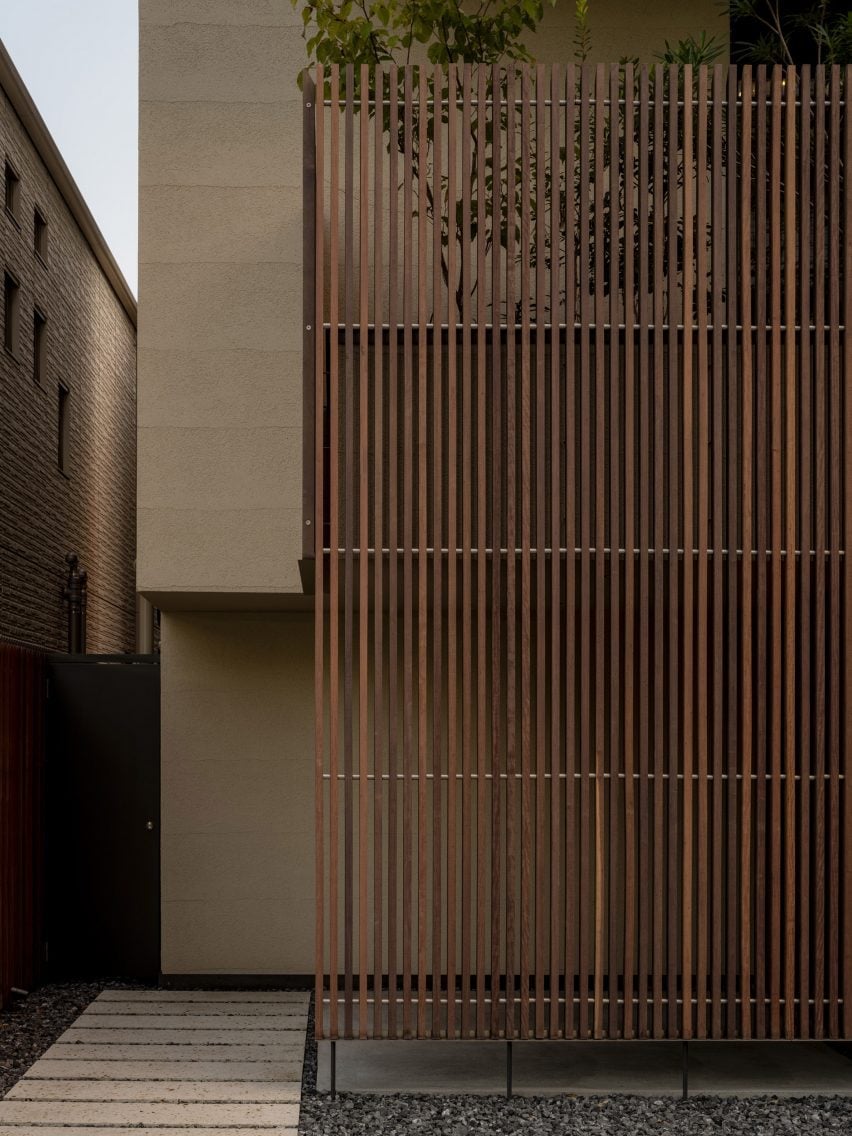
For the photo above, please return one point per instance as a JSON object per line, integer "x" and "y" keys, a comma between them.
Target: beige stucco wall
{"x": 220, "y": 281}
{"x": 237, "y": 793}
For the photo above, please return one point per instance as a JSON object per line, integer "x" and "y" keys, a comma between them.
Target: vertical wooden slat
{"x": 314, "y": 219}
{"x": 350, "y": 297}
{"x": 717, "y": 507}
{"x": 379, "y": 728}
{"x": 556, "y": 505}
{"x": 776, "y": 664}
{"x": 599, "y": 687}
{"x": 393, "y": 552}
{"x": 423, "y": 438}
{"x": 835, "y": 887}
{"x": 732, "y": 566}
{"x": 820, "y": 545}
{"x": 675, "y": 541}
{"x": 497, "y": 561}
{"x": 525, "y": 613}
{"x": 658, "y": 434}
{"x": 452, "y": 553}
{"x": 805, "y": 488}
{"x": 762, "y": 544}
{"x": 703, "y": 530}
{"x": 644, "y": 870}
{"x": 511, "y": 544}
{"x": 790, "y": 687}
{"x": 466, "y": 554}
{"x": 482, "y": 740}
{"x": 540, "y": 564}
{"x": 437, "y": 562}
{"x": 316, "y": 95}
{"x": 615, "y": 540}
{"x": 334, "y": 544}
{"x": 571, "y": 866}
{"x": 628, "y": 86}
{"x": 746, "y": 656}
{"x": 585, "y": 897}
{"x": 365, "y": 244}
{"x": 688, "y": 440}
{"x": 847, "y": 552}
{"x": 408, "y": 727}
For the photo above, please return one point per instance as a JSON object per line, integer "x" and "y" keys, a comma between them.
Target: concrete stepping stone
{"x": 258, "y": 1071}
{"x": 225, "y": 1092}
{"x": 177, "y": 1114}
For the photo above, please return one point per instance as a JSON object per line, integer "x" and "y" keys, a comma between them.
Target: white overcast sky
{"x": 79, "y": 60}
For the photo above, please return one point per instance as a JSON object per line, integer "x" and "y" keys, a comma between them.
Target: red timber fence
{"x": 579, "y": 492}
{"x": 22, "y": 716}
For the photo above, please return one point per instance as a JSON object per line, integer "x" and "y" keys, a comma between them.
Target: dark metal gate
{"x": 21, "y": 782}
{"x": 103, "y": 816}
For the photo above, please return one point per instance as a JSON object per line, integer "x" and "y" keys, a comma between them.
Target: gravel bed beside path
{"x": 363, "y": 1115}
{"x": 309, "y": 1068}
{"x": 353, "y": 1115}
{"x": 30, "y": 1024}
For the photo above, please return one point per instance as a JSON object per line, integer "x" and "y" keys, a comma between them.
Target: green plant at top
{"x": 377, "y": 33}
{"x": 697, "y": 51}
{"x": 823, "y": 35}
{"x": 582, "y": 31}
{"x": 380, "y": 32}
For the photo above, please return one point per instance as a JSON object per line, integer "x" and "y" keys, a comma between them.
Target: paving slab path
{"x": 168, "y": 1063}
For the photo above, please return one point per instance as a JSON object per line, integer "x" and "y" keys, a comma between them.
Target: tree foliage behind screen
{"x": 390, "y": 31}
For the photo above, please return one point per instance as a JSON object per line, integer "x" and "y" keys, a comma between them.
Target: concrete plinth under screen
{"x": 649, "y": 1068}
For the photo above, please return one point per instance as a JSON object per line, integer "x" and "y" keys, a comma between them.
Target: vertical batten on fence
{"x": 746, "y": 645}
{"x": 570, "y": 509}
{"x": 317, "y": 255}
{"x": 689, "y": 640}
{"x": 437, "y": 583}
{"x": 629, "y": 733}
{"x": 580, "y": 504}
{"x": 847, "y": 565}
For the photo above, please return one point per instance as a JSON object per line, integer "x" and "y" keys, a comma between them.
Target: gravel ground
{"x": 352, "y": 1115}
{"x": 362, "y": 1115}
{"x": 32, "y": 1023}
{"x": 309, "y": 1068}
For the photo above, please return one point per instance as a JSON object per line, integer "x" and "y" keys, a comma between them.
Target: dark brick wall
{"x": 91, "y": 349}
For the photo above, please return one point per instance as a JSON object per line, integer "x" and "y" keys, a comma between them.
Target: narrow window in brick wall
{"x": 12, "y": 191}
{"x": 39, "y": 346}
{"x": 64, "y": 428}
{"x": 40, "y": 234}
{"x": 11, "y": 306}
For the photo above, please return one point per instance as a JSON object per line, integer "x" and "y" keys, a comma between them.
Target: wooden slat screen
{"x": 580, "y": 458}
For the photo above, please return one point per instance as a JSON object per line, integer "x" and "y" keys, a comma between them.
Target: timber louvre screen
{"x": 579, "y": 498}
